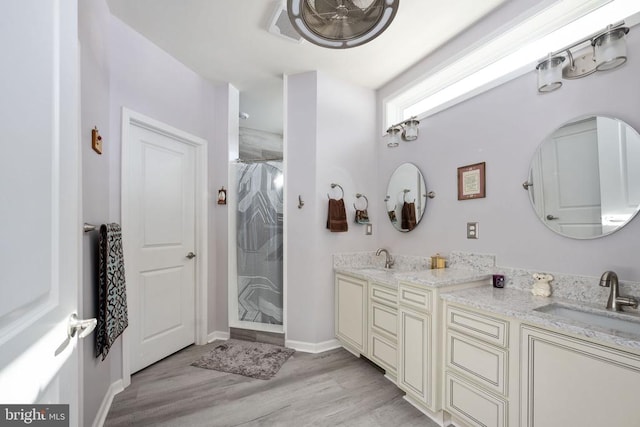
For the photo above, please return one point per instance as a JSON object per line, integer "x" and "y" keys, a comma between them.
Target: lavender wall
{"x": 120, "y": 68}
{"x": 301, "y": 225}
{"x": 149, "y": 81}
{"x": 224, "y": 147}
{"x": 329, "y": 132}
{"x": 94, "y": 16}
{"x": 503, "y": 128}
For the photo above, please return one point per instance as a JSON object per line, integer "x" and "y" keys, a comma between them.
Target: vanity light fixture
{"x": 341, "y": 24}
{"x": 611, "y": 49}
{"x": 606, "y": 50}
{"x": 406, "y": 130}
{"x": 393, "y": 137}
{"x": 550, "y": 73}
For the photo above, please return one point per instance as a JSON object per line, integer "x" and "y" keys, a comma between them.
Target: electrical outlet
{"x": 472, "y": 230}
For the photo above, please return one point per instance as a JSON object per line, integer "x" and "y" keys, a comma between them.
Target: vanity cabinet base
{"x": 568, "y": 381}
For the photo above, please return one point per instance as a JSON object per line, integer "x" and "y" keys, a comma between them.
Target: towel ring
{"x": 358, "y": 195}
{"x": 404, "y": 196}
{"x": 340, "y": 187}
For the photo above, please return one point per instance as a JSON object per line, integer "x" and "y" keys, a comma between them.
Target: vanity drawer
{"x": 416, "y": 298}
{"x": 383, "y": 295}
{"x": 482, "y": 362}
{"x": 384, "y": 320}
{"x": 472, "y": 404}
{"x": 384, "y": 353}
{"x": 486, "y": 328}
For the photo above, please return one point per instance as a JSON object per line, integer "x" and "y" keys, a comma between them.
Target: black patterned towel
{"x": 112, "y": 293}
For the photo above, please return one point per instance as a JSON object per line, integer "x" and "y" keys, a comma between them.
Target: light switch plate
{"x": 472, "y": 230}
{"x": 368, "y": 230}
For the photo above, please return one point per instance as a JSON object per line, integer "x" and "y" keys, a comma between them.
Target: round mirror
{"x": 584, "y": 180}
{"x": 406, "y": 197}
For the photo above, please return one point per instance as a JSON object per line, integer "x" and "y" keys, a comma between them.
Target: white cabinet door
{"x": 482, "y": 362}
{"x": 473, "y": 404}
{"x": 571, "y": 382}
{"x": 351, "y": 312}
{"x": 384, "y": 353}
{"x": 40, "y": 224}
{"x": 414, "y": 340}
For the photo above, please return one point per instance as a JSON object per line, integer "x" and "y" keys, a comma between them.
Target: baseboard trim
{"x": 436, "y": 417}
{"x": 101, "y": 416}
{"x": 303, "y": 346}
{"x": 308, "y": 347}
{"x": 217, "y": 335}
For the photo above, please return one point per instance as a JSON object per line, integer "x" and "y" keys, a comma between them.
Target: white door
{"x": 40, "y": 230}
{"x": 161, "y": 228}
{"x": 619, "y": 151}
{"x": 571, "y": 180}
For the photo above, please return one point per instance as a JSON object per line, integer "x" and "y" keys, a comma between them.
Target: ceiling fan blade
{"x": 363, "y": 4}
{"x": 335, "y": 30}
{"x": 323, "y": 6}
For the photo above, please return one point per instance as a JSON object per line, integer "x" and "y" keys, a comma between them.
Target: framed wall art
{"x": 471, "y": 182}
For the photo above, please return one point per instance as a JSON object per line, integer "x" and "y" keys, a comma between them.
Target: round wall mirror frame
{"x": 406, "y": 197}
{"x": 584, "y": 179}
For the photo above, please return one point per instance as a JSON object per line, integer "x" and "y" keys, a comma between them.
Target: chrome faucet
{"x": 388, "y": 262}
{"x": 615, "y": 302}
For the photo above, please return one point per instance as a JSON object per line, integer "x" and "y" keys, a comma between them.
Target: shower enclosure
{"x": 256, "y": 273}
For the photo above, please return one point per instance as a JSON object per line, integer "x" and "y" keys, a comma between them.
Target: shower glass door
{"x": 256, "y": 291}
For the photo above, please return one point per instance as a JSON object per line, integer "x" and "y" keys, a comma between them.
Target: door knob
{"x": 551, "y": 217}
{"x": 191, "y": 255}
{"x": 83, "y": 326}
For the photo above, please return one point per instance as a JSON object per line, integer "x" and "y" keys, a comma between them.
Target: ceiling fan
{"x": 341, "y": 24}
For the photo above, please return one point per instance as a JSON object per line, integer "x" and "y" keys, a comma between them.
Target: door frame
{"x": 131, "y": 118}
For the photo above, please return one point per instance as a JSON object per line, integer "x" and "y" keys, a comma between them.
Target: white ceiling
{"x": 228, "y": 41}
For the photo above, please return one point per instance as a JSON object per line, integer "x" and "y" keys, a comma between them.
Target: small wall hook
{"x": 300, "y": 201}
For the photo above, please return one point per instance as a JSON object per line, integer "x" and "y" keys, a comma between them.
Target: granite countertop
{"x": 376, "y": 274}
{"x": 443, "y": 277}
{"x": 436, "y": 278}
{"x": 522, "y": 306}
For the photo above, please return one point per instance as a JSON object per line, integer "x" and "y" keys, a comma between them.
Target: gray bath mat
{"x": 251, "y": 359}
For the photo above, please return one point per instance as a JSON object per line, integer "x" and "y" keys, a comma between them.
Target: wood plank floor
{"x": 326, "y": 389}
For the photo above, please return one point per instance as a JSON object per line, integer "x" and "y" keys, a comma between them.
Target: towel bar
{"x": 89, "y": 227}
{"x": 359, "y": 195}
{"x": 404, "y": 196}
{"x": 333, "y": 185}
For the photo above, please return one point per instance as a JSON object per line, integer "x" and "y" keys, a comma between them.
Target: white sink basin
{"x": 603, "y": 320}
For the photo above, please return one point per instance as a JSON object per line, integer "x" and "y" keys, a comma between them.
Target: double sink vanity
{"x": 468, "y": 354}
